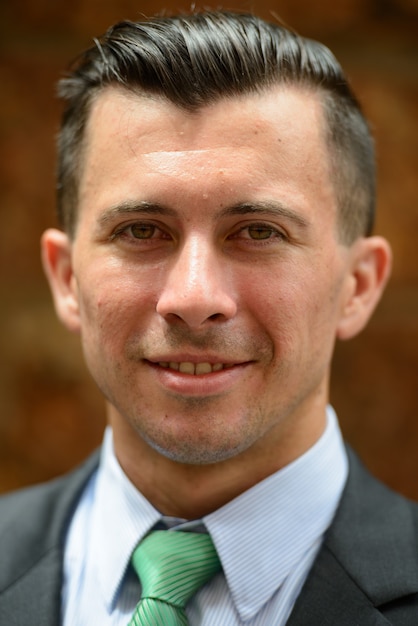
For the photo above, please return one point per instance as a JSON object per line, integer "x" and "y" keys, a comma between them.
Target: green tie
{"x": 172, "y": 566}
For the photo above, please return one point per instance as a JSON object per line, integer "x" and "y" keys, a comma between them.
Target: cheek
{"x": 111, "y": 306}
{"x": 277, "y": 298}
{"x": 297, "y": 306}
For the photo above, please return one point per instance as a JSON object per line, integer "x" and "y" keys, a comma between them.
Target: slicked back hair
{"x": 197, "y": 59}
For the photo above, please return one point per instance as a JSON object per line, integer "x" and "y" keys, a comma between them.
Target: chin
{"x": 195, "y": 453}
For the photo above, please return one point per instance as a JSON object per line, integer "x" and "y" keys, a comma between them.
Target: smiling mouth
{"x": 194, "y": 369}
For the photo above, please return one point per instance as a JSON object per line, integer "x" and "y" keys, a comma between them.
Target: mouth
{"x": 193, "y": 369}
{"x": 190, "y": 376}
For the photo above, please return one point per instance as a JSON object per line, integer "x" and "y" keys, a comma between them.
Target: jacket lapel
{"x": 331, "y": 597}
{"x": 35, "y": 598}
{"x": 366, "y": 560}
{"x": 31, "y": 565}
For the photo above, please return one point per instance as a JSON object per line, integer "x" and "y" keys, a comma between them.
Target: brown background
{"x": 51, "y": 414}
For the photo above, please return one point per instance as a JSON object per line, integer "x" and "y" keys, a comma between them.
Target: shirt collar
{"x": 289, "y": 510}
{"x": 120, "y": 511}
{"x": 262, "y": 534}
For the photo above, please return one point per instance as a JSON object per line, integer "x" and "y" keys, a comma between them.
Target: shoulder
{"x": 374, "y": 537}
{"x": 366, "y": 571}
{"x": 371, "y": 516}
{"x": 36, "y": 517}
{"x": 368, "y": 502}
{"x": 33, "y": 523}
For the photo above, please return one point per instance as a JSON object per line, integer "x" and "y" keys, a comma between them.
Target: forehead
{"x": 290, "y": 109}
{"x": 249, "y": 144}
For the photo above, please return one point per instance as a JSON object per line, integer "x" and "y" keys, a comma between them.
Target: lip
{"x": 206, "y": 357}
{"x": 217, "y": 381}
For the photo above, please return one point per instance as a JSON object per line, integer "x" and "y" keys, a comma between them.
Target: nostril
{"x": 215, "y": 317}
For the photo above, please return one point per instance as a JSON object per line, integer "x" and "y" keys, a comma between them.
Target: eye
{"x": 142, "y": 231}
{"x": 139, "y": 231}
{"x": 259, "y": 231}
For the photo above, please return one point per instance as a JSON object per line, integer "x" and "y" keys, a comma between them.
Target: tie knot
{"x": 173, "y": 565}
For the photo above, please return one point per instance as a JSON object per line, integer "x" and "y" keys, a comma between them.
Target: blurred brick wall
{"x": 51, "y": 415}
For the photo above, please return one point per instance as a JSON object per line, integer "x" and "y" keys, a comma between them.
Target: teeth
{"x": 186, "y": 368}
{"x": 193, "y": 368}
{"x": 203, "y": 368}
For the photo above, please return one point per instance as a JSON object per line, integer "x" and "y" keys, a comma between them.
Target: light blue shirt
{"x": 267, "y": 539}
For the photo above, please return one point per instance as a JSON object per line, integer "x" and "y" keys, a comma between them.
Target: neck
{"x": 192, "y": 491}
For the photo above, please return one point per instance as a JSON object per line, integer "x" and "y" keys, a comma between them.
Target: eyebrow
{"x": 273, "y": 208}
{"x": 142, "y": 206}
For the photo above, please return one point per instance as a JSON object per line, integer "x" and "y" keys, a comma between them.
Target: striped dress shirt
{"x": 267, "y": 539}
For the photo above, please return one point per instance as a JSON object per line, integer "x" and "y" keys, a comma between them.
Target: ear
{"x": 371, "y": 261}
{"x": 56, "y": 251}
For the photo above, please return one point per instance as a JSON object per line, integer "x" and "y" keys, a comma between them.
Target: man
{"x": 216, "y": 198}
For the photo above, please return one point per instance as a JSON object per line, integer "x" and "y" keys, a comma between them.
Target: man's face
{"x": 207, "y": 271}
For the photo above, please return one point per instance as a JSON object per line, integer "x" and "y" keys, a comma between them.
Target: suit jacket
{"x": 366, "y": 572}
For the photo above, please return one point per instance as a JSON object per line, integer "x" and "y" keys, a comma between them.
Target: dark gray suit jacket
{"x": 366, "y": 572}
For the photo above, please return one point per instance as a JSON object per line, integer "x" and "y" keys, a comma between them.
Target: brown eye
{"x": 260, "y": 232}
{"x": 142, "y": 231}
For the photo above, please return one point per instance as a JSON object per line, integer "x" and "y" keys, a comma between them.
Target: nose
{"x": 197, "y": 290}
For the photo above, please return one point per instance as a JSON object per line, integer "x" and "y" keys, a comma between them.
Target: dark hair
{"x": 196, "y": 59}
